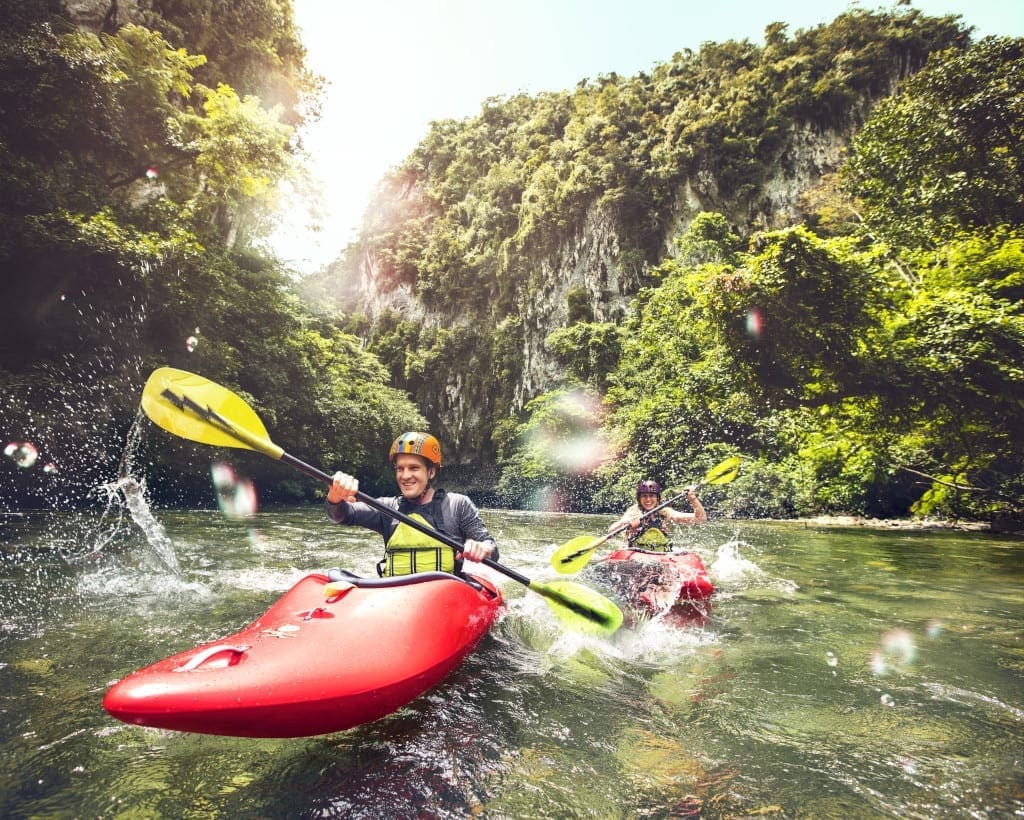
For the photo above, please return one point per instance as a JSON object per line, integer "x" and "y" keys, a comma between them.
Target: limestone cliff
{"x": 491, "y": 234}
{"x": 460, "y": 402}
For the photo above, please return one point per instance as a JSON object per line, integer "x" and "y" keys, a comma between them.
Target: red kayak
{"x": 324, "y": 658}
{"x": 661, "y": 583}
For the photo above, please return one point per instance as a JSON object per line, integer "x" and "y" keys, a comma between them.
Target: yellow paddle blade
{"x": 724, "y": 472}
{"x": 575, "y": 553}
{"x": 335, "y": 589}
{"x": 580, "y": 608}
{"x": 195, "y": 408}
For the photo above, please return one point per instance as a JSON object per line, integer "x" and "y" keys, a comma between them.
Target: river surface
{"x": 841, "y": 672}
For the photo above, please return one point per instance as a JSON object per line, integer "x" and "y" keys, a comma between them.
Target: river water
{"x": 841, "y": 673}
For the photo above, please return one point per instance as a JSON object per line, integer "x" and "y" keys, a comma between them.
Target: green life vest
{"x": 410, "y": 550}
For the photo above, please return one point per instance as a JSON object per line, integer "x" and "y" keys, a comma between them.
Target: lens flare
{"x": 755, "y": 323}
{"x": 896, "y": 654}
{"x": 580, "y": 454}
{"x": 568, "y": 438}
{"x": 546, "y": 498}
{"x": 22, "y": 453}
{"x": 235, "y": 496}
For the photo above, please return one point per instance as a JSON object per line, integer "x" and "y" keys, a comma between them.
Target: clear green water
{"x": 842, "y": 673}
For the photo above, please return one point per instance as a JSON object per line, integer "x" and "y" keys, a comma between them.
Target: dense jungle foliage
{"x": 863, "y": 358}
{"x": 870, "y": 360}
{"x": 138, "y": 168}
{"x": 866, "y": 358}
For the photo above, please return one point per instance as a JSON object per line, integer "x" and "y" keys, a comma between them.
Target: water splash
{"x": 730, "y": 566}
{"x": 733, "y": 573}
{"x": 132, "y": 491}
{"x": 128, "y": 493}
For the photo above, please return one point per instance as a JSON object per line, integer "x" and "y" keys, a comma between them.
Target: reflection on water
{"x": 839, "y": 673}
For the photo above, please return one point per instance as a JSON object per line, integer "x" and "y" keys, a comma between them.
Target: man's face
{"x": 412, "y": 474}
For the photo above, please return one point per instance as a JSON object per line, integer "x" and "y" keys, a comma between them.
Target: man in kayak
{"x": 652, "y": 532}
{"x": 416, "y": 458}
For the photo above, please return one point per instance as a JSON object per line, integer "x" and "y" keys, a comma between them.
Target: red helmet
{"x": 419, "y": 444}
{"x": 648, "y": 486}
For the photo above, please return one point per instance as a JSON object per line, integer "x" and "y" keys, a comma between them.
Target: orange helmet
{"x": 419, "y": 444}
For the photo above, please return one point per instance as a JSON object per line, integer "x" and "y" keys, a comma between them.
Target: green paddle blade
{"x": 575, "y": 553}
{"x": 580, "y": 608}
{"x": 195, "y": 408}
{"x": 724, "y": 472}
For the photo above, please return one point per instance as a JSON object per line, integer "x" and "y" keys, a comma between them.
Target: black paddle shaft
{"x": 369, "y": 501}
{"x": 256, "y": 442}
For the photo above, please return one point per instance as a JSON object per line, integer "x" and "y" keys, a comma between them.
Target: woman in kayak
{"x": 416, "y": 458}
{"x": 652, "y": 532}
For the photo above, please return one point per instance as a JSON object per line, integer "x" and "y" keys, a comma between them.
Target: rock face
{"x": 461, "y": 404}
{"x": 103, "y": 15}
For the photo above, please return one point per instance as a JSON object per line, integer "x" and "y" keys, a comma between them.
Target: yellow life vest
{"x": 410, "y": 550}
{"x": 652, "y": 539}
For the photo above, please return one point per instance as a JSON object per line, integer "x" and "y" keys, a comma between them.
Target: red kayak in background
{"x": 326, "y": 657}
{"x": 671, "y": 585}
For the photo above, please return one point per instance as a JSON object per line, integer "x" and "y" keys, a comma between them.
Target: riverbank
{"x": 1002, "y": 527}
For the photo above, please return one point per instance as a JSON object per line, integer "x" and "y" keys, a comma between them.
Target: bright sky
{"x": 393, "y": 66}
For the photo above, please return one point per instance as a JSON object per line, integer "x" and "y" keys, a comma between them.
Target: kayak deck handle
{"x": 200, "y": 658}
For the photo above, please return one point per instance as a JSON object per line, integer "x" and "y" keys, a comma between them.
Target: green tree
{"x": 946, "y": 152}
{"x": 589, "y": 350}
{"x": 132, "y": 199}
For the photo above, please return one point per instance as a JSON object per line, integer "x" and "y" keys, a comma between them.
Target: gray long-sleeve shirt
{"x": 452, "y": 513}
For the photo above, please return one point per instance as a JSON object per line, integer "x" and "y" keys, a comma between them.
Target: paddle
{"x": 197, "y": 409}
{"x": 575, "y": 553}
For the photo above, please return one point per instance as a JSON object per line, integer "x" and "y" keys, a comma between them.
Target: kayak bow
{"x": 329, "y": 655}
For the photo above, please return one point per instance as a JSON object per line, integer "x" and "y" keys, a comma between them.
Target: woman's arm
{"x": 698, "y": 516}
